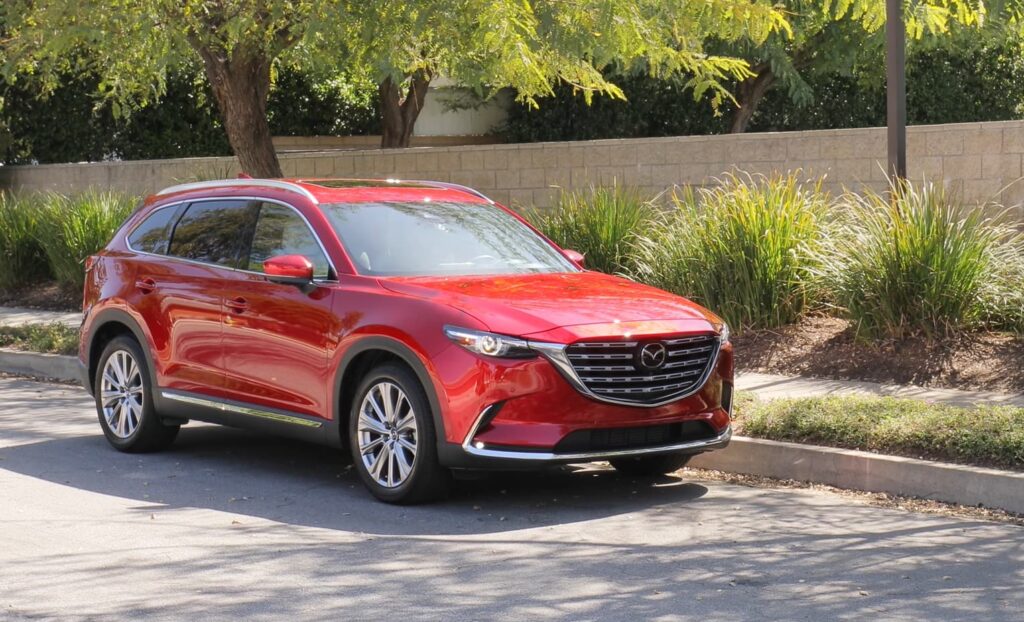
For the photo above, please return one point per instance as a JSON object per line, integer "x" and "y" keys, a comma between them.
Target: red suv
{"x": 419, "y": 324}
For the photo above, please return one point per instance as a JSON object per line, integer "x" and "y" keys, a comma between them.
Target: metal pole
{"x": 896, "y": 88}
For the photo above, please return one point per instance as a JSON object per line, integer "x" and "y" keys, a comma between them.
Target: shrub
{"x": 745, "y": 249}
{"x": 75, "y": 227}
{"x": 22, "y": 259}
{"x": 601, "y": 223}
{"x": 54, "y": 338}
{"x": 918, "y": 264}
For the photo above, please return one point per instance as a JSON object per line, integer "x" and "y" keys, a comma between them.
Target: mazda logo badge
{"x": 652, "y": 355}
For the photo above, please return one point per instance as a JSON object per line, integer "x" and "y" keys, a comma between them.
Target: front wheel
{"x": 650, "y": 466}
{"x": 124, "y": 400}
{"x": 392, "y": 437}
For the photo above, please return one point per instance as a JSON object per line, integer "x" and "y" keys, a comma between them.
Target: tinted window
{"x": 152, "y": 235}
{"x": 210, "y": 232}
{"x": 440, "y": 238}
{"x": 281, "y": 231}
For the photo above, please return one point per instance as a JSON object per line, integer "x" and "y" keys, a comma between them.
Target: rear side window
{"x": 281, "y": 231}
{"x": 153, "y": 234}
{"x": 211, "y": 232}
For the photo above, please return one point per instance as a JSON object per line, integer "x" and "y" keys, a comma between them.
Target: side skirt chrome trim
{"x": 696, "y": 446}
{"x": 237, "y": 408}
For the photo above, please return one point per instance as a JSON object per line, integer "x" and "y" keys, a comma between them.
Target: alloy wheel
{"x": 387, "y": 434}
{"x": 122, "y": 393}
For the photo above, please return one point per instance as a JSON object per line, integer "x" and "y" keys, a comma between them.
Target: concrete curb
{"x": 35, "y": 364}
{"x": 861, "y": 470}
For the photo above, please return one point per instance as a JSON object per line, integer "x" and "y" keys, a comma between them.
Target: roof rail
{"x": 445, "y": 184}
{"x": 221, "y": 183}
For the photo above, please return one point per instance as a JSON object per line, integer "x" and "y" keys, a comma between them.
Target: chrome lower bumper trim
{"x": 506, "y": 454}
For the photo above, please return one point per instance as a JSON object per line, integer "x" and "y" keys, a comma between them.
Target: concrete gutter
{"x": 37, "y": 365}
{"x": 861, "y": 470}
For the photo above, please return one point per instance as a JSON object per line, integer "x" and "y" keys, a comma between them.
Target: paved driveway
{"x": 233, "y": 525}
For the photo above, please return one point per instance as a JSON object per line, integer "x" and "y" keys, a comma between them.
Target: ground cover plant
{"x": 53, "y": 338}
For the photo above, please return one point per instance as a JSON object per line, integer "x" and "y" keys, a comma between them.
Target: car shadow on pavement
{"x": 292, "y": 482}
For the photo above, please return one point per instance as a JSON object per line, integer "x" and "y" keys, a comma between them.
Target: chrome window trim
{"x": 234, "y": 183}
{"x": 319, "y": 243}
{"x": 237, "y": 408}
{"x": 555, "y": 353}
{"x": 511, "y": 454}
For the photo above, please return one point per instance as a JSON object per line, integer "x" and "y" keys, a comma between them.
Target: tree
{"x": 832, "y": 37}
{"x": 534, "y": 45}
{"x": 131, "y": 44}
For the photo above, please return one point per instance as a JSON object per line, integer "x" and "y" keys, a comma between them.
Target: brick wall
{"x": 976, "y": 159}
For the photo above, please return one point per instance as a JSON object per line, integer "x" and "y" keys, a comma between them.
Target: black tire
{"x": 427, "y": 480}
{"x": 149, "y": 433}
{"x": 650, "y": 466}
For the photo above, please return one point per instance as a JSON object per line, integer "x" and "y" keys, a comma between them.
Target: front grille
{"x": 611, "y": 439}
{"x": 616, "y": 370}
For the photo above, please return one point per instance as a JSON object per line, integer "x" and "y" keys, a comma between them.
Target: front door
{"x": 276, "y": 336}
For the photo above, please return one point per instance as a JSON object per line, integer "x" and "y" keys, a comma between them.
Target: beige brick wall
{"x": 982, "y": 161}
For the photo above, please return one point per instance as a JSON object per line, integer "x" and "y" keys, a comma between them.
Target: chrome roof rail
{"x": 222, "y": 183}
{"x": 447, "y": 185}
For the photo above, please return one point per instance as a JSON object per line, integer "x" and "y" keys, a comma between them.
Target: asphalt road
{"x": 231, "y": 525}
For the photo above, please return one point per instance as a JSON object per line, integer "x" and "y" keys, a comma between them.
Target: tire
{"x": 130, "y": 424}
{"x": 650, "y": 466}
{"x": 394, "y": 445}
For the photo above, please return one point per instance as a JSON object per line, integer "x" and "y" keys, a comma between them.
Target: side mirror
{"x": 574, "y": 256}
{"x": 289, "y": 269}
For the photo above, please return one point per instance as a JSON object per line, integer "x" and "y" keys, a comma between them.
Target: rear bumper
{"x": 82, "y": 374}
{"x": 470, "y": 456}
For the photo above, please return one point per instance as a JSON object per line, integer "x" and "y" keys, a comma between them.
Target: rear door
{"x": 179, "y": 289}
{"x": 276, "y": 337}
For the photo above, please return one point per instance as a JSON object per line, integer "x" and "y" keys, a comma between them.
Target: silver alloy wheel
{"x": 122, "y": 393}
{"x": 387, "y": 434}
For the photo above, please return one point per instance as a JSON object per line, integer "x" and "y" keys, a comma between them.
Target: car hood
{"x": 561, "y": 307}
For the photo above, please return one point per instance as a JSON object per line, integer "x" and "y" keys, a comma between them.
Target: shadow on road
{"x": 292, "y": 482}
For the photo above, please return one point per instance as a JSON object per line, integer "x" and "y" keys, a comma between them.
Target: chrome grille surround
{"x": 608, "y": 371}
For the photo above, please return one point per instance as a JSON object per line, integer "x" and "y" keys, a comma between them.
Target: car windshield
{"x": 437, "y": 238}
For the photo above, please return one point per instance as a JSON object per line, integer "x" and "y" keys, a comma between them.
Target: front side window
{"x": 211, "y": 232}
{"x": 281, "y": 231}
{"x": 440, "y": 239}
{"x": 153, "y": 234}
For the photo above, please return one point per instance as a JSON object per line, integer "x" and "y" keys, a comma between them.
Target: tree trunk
{"x": 241, "y": 84}
{"x": 399, "y": 111}
{"x": 748, "y": 95}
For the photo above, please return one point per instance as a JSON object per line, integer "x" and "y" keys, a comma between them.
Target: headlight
{"x": 723, "y": 333}
{"x": 489, "y": 344}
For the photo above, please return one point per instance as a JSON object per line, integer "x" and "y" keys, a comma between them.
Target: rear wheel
{"x": 124, "y": 400}
{"x": 392, "y": 437}
{"x": 650, "y": 466}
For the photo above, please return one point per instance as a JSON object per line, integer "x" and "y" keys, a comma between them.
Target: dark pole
{"x": 896, "y": 88}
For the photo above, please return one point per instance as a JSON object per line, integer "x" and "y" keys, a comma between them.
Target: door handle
{"x": 238, "y": 305}
{"x": 146, "y": 285}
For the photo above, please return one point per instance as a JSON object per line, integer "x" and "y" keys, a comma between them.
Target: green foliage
{"x": 53, "y": 338}
{"x": 601, "y": 223}
{"x": 74, "y": 227}
{"x": 745, "y": 249}
{"x": 310, "y": 104}
{"x": 981, "y": 435}
{"x": 22, "y": 259}
{"x": 916, "y": 265}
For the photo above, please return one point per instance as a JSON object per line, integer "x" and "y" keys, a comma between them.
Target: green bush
{"x": 745, "y": 249}
{"x": 74, "y": 227}
{"x": 918, "y": 264}
{"x": 987, "y": 435}
{"x": 54, "y": 338}
{"x": 601, "y": 223}
{"x": 22, "y": 259}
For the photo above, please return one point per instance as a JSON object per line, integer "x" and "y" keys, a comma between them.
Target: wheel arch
{"x": 363, "y": 356}
{"x": 108, "y": 325}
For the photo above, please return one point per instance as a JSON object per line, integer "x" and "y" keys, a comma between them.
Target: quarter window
{"x": 281, "y": 231}
{"x": 153, "y": 234}
{"x": 210, "y": 232}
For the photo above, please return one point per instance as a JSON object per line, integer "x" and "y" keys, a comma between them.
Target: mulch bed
{"x": 826, "y": 347}
{"x": 45, "y": 296}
